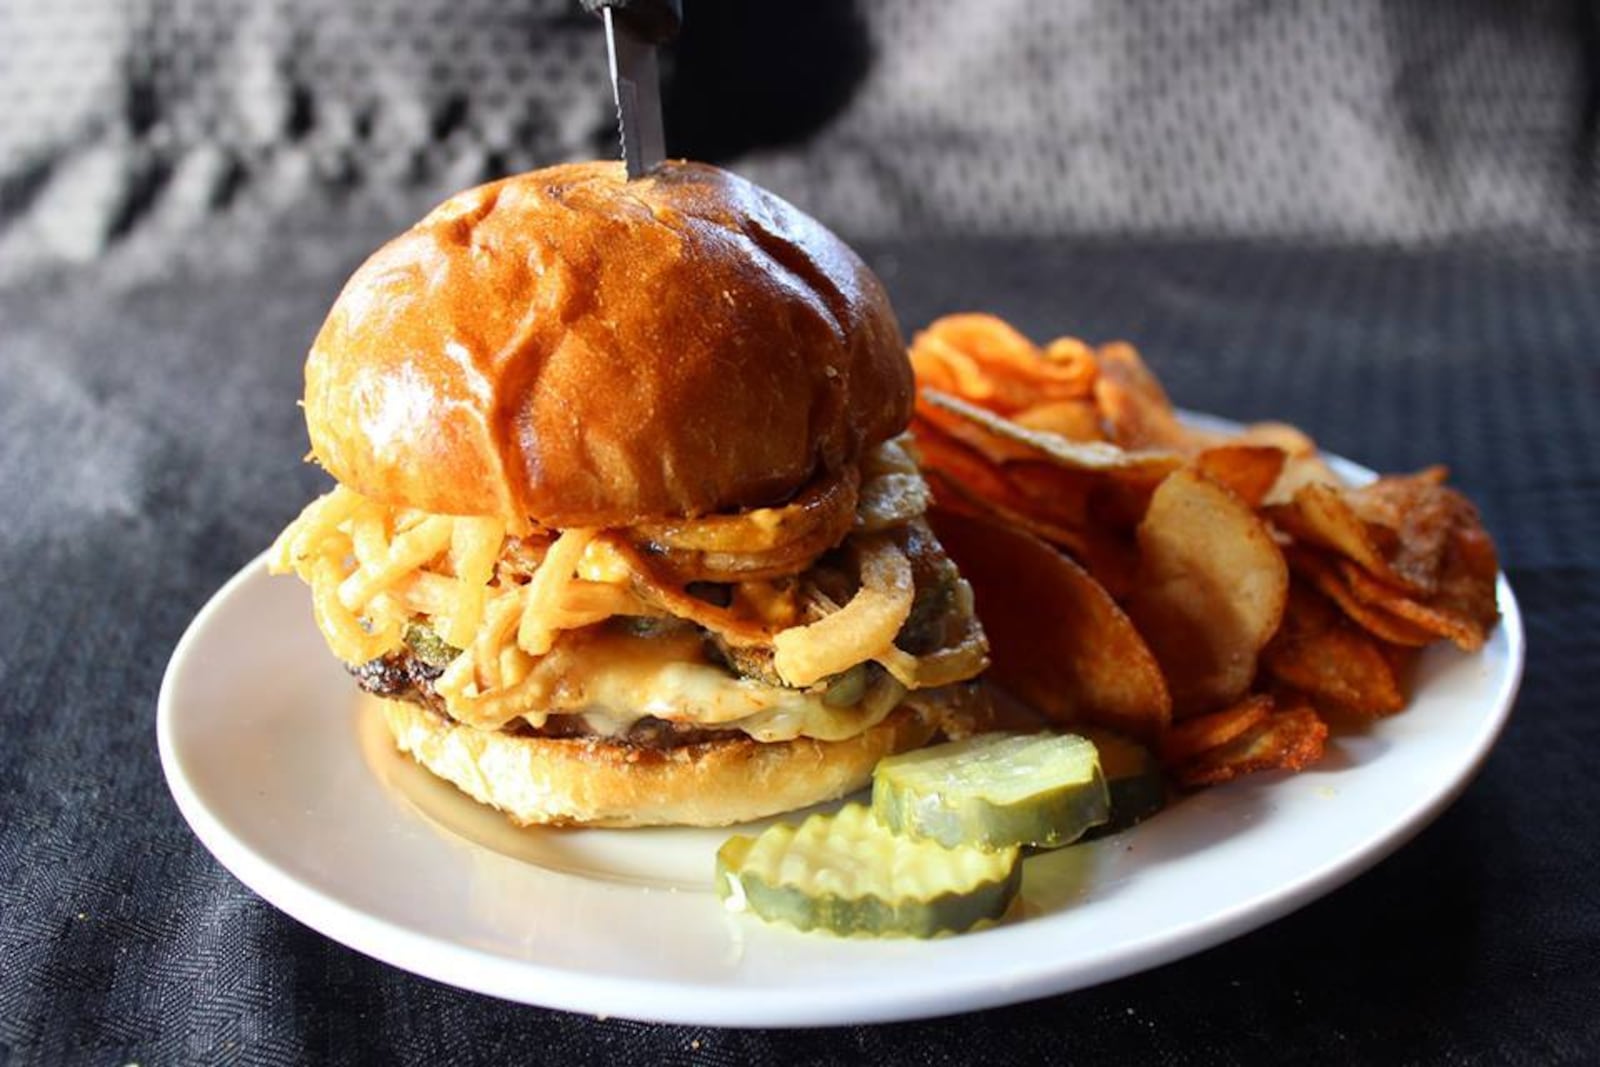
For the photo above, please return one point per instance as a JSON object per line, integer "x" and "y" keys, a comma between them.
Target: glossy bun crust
{"x": 571, "y": 349}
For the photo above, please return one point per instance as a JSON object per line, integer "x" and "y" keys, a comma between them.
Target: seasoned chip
{"x": 963, "y": 481}
{"x": 1210, "y": 590}
{"x": 1290, "y": 739}
{"x": 1469, "y": 577}
{"x": 1263, "y": 591}
{"x": 1321, "y": 515}
{"x": 1200, "y": 733}
{"x": 1021, "y": 443}
{"x": 1321, "y": 569}
{"x": 988, "y": 339}
{"x": 1250, "y": 471}
{"x": 1303, "y": 464}
{"x": 960, "y": 463}
{"x": 954, "y": 496}
{"x": 1467, "y": 631}
{"x": 1111, "y": 559}
{"x": 1071, "y": 352}
{"x": 1136, "y": 410}
{"x": 1055, "y": 493}
{"x": 1076, "y": 420}
{"x": 940, "y": 411}
{"x": 1291, "y": 440}
{"x": 1336, "y": 664}
{"x": 985, "y": 360}
{"x": 1057, "y": 639}
{"x": 1414, "y": 516}
{"x": 939, "y": 366}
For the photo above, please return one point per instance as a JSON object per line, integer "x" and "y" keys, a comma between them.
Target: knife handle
{"x": 654, "y": 21}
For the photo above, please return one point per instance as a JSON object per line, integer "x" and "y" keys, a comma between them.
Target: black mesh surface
{"x": 153, "y": 131}
{"x": 152, "y": 446}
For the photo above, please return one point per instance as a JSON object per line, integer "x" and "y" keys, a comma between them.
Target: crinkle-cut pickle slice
{"x": 847, "y": 874}
{"x": 994, "y": 790}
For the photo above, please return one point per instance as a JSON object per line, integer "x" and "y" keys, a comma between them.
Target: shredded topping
{"x": 506, "y": 602}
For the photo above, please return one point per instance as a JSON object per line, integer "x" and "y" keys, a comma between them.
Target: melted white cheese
{"x": 614, "y": 679}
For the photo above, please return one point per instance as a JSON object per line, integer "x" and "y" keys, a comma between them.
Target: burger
{"x": 626, "y": 530}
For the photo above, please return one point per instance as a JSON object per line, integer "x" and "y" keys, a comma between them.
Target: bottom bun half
{"x": 594, "y": 782}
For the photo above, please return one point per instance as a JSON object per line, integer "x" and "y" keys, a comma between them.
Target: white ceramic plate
{"x": 297, "y": 792}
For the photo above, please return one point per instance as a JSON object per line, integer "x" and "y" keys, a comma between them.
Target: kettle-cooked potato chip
{"x": 1250, "y": 471}
{"x": 1076, "y": 420}
{"x": 984, "y": 359}
{"x": 1057, "y": 639}
{"x": 1336, "y": 664}
{"x": 1261, "y": 588}
{"x": 1321, "y": 515}
{"x": 1137, "y": 412}
{"x": 1210, "y": 590}
{"x": 1004, "y": 441}
{"x": 1322, "y": 570}
{"x": 1290, "y": 739}
{"x": 1190, "y": 737}
{"x": 1466, "y": 625}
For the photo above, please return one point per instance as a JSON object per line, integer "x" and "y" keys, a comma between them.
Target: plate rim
{"x": 686, "y": 1002}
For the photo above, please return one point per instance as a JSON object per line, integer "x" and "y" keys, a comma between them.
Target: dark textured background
{"x": 151, "y": 333}
{"x": 155, "y": 132}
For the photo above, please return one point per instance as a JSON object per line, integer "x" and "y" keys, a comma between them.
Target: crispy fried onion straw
{"x": 493, "y": 681}
{"x": 864, "y": 628}
{"x": 375, "y": 570}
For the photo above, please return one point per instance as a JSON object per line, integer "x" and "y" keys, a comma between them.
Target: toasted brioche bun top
{"x": 568, "y": 348}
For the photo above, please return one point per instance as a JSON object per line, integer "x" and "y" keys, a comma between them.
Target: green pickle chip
{"x": 848, "y": 874}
